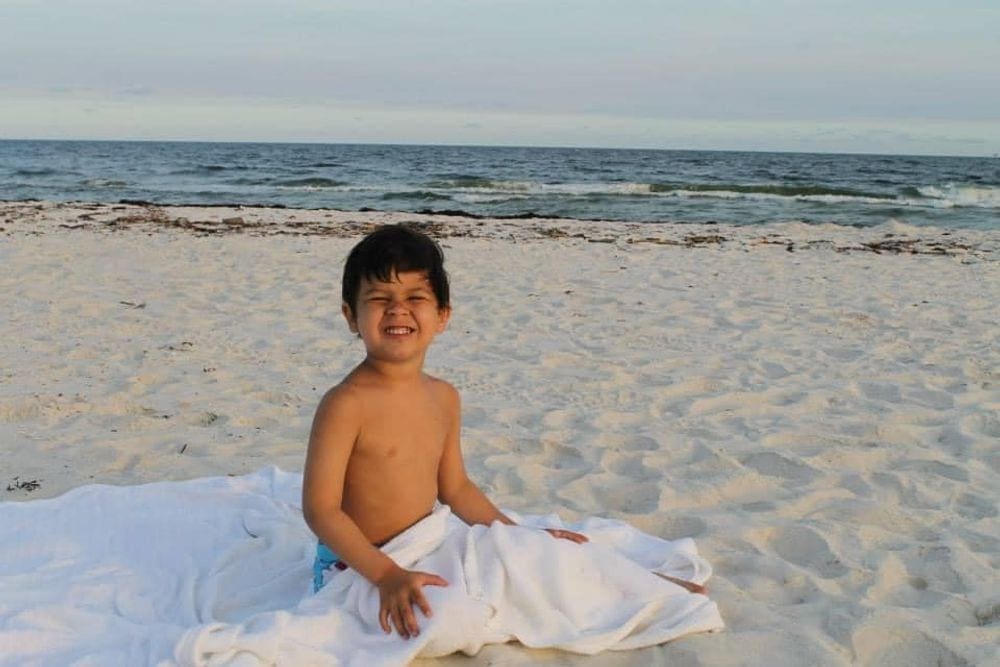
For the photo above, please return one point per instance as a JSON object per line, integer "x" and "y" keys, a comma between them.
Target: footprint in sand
{"x": 880, "y": 391}
{"x": 953, "y": 441}
{"x": 935, "y": 468}
{"x": 772, "y": 370}
{"x": 773, "y": 464}
{"x": 979, "y": 542}
{"x": 844, "y": 353}
{"x": 641, "y": 498}
{"x": 507, "y": 482}
{"x": 854, "y": 483}
{"x": 203, "y": 418}
{"x": 768, "y": 579}
{"x": 641, "y": 443}
{"x": 984, "y": 424}
{"x": 558, "y": 456}
{"x": 971, "y": 506}
{"x": 897, "y": 586}
{"x": 674, "y": 527}
{"x": 935, "y": 564}
{"x": 899, "y": 644}
{"x": 988, "y": 613}
{"x": 806, "y": 548}
{"x": 758, "y": 506}
{"x": 903, "y": 489}
{"x": 628, "y": 465}
{"x": 929, "y": 398}
{"x": 605, "y": 492}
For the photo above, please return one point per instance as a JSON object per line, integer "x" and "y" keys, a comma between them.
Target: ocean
{"x": 742, "y": 188}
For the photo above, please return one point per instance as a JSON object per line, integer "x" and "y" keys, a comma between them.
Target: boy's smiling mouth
{"x": 399, "y": 331}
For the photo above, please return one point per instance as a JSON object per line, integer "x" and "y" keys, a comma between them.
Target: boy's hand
{"x": 398, "y": 592}
{"x": 567, "y": 535}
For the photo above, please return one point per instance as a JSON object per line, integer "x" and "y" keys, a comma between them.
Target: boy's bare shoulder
{"x": 444, "y": 391}
{"x": 344, "y": 397}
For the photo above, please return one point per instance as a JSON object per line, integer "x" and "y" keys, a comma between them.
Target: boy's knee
{"x": 449, "y": 602}
{"x": 459, "y": 622}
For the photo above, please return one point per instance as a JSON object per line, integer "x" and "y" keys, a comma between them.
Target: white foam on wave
{"x": 331, "y": 188}
{"x": 931, "y": 197}
{"x": 508, "y": 190}
{"x": 103, "y": 183}
{"x": 927, "y": 197}
{"x": 583, "y": 189}
{"x": 481, "y": 185}
{"x": 513, "y": 186}
{"x": 767, "y": 196}
{"x": 486, "y": 198}
{"x": 955, "y": 195}
{"x": 578, "y": 189}
{"x": 947, "y": 196}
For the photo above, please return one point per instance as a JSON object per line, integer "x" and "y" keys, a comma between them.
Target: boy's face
{"x": 397, "y": 319}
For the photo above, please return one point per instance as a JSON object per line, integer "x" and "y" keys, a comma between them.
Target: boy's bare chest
{"x": 401, "y": 434}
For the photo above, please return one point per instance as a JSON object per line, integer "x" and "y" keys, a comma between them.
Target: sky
{"x": 894, "y": 76}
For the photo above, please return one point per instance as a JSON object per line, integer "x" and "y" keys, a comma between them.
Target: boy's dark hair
{"x": 389, "y": 250}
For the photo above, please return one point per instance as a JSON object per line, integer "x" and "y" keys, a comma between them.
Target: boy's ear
{"x": 444, "y": 314}
{"x": 352, "y": 322}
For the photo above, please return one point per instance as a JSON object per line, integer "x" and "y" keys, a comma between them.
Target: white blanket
{"x": 218, "y": 571}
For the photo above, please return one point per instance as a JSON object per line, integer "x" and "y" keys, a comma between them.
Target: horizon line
{"x": 321, "y": 142}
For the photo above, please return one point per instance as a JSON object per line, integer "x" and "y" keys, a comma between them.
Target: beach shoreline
{"x": 815, "y": 404}
{"x": 892, "y": 237}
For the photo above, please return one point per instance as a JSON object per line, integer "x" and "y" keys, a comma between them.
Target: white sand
{"x": 825, "y": 422}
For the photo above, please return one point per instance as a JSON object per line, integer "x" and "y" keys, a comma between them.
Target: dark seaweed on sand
{"x": 18, "y": 485}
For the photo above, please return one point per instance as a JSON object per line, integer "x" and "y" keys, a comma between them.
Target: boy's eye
{"x": 418, "y": 297}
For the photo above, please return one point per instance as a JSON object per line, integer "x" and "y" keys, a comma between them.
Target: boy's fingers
{"x": 694, "y": 588}
{"x": 383, "y": 620}
{"x": 435, "y": 580}
{"x": 567, "y": 535}
{"x": 424, "y": 605}
{"x": 412, "y": 629}
{"x": 397, "y": 620}
{"x": 689, "y": 585}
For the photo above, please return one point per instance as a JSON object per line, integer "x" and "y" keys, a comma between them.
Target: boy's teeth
{"x": 398, "y": 330}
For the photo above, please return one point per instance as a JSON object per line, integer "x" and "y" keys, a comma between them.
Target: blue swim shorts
{"x": 325, "y": 559}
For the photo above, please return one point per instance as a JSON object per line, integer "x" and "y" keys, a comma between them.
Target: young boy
{"x": 384, "y": 445}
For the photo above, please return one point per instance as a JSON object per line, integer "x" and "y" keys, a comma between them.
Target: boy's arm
{"x": 335, "y": 429}
{"x": 334, "y": 432}
{"x": 456, "y": 490}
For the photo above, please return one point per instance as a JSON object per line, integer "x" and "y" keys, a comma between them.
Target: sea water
{"x": 743, "y": 188}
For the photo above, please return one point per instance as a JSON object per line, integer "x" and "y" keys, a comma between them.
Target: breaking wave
{"x": 416, "y": 194}
{"x": 199, "y": 170}
{"x": 103, "y": 183}
{"x": 478, "y": 189}
{"x": 776, "y": 190}
{"x": 957, "y": 196}
{"x": 460, "y": 182}
{"x": 312, "y": 183}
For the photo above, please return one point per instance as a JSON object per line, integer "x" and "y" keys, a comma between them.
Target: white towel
{"x": 218, "y": 571}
